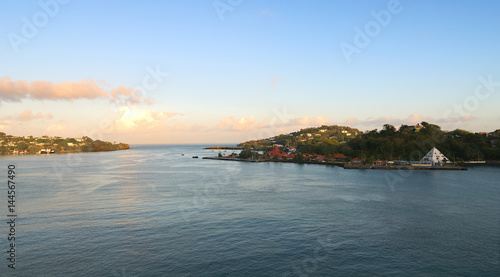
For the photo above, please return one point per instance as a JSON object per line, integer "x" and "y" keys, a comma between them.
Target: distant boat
{"x": 182, "y": 154}
{"x": 46, "y": 151}
{"x": 195, "y": 157}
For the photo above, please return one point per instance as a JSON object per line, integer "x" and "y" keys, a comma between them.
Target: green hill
{"x": 407, "y": 142}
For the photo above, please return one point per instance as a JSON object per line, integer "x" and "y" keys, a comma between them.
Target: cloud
{"x": 28, "y": 115}
{"x": 307, "y": 121}
{"x": 16, "y": 91}
{"x": 5, "y": 125}
{"x": 410, "y": 120}
{"x": 56, "y": 128}
{"x": 134, "y": 119}
{"x": 371, "y": 123}
{"x": 456, "y": 119}
{"x": 233, "y": 124}
{"x": 246, "y": 124}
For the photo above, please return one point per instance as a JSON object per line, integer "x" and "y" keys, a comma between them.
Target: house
{"x": 378, "y": 162}
{"x": 356, "y": 161}
{"x": 339, "y": 156}
{"x": 319, "y": 158}
{"x": 308, "y": 156}
{"x": 70, "y": 144}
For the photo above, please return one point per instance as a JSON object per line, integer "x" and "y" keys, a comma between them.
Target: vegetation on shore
{"x": 45, "y": 144}
{"x": 406, "y": 143}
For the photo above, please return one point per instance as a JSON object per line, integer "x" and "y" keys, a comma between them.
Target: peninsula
{"x": 419, "y": 146}
{"x": 19, "y": 145}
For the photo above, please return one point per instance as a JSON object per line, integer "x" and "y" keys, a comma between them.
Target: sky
{"x": 228, "y": 71}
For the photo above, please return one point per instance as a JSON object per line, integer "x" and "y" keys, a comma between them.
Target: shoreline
{"x": 65, "y": 152}
{"x": 344, "y": 165}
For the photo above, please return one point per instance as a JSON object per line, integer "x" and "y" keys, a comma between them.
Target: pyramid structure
{"x": 434, "y": 157}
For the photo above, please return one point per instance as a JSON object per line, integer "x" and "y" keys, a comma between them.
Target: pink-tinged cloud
{"x": 134, "y": 119}
{"x": 56, "y": 129}
{"x": 16, "y": 91}
{"x": 372, "y": 123}
{"x": 28, "y": 115}
{"x": 456, "y": 119}
{"x": 351, "y": 120}
{"x": 306, "y": 121}
{"x": 5, "y": 125}
{"x": 251, "y": 129}
{"x": 233, "y": 124}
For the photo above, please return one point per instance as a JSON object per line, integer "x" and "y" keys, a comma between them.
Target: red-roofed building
{"x": 339, "y": 156}
{"x": 320, "y": 158}
{"x": 378, "y": 162}
{"x": 308, "y": 156}
{"x": 276, "y": 152}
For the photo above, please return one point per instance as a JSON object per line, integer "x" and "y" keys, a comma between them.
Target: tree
{"x": 22, "y": 146}
{"x": 33, "y": 149}
{"x": 246, "y": 154}
{"x": 388, "y": 130}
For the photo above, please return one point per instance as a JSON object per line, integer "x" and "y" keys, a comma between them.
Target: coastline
{"x": 343, "y": 165}
{"x": 62, "y": 152}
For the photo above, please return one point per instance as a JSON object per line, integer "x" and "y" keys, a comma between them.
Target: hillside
{"x": 36, "y": 145}
{"x": 408, "y": 142}
{"x": 331, "y": 135}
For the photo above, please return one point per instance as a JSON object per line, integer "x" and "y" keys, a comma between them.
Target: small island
{"x": 22, "y": 145}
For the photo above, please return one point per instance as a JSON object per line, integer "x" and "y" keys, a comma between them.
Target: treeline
{"x": 34, "y": 145}
{"x": 407, "y": 143}
{"x": 98, "y": 145}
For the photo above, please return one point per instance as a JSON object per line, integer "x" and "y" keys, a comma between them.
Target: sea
{"x": 154, "y": 210}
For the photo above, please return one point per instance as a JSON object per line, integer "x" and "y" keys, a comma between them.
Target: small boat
{"x": 195, "y": 157}
{"x": 182, "y": 155}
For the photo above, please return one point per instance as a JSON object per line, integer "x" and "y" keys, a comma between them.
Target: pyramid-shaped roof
{"x": 434, "y": 157}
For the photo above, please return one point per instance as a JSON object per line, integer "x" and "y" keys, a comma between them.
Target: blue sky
{"x": 254, "y": 69}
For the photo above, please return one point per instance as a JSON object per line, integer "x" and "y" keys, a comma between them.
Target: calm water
{"x": 148, "y": 211}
